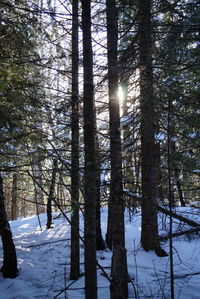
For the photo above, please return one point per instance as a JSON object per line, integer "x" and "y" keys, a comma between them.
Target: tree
{"x": 177, "y": 76}
{"x": 51, "y": 196}
{"x": 75, "y": 263}
{"x": 9, "y": 268}
{"x": 14, "y": 210}
{"x": 118, "y": 287}
{"x": 149, "y": 233}
{"x": 100, "y": 244}
{"x": 90, "y": 157}
{"x": 37, "y": 173}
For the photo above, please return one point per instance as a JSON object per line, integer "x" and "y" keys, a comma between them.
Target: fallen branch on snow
{"x": 46, "y": 243}
{"x": 186, "y": 232}
{"x": 179, "y": 217}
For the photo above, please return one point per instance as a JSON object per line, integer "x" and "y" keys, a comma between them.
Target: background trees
{"x": 149, "y": 50}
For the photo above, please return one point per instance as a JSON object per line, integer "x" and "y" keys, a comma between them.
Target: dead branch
{"x": 46, "y": 243}
{"x": 179, "y": 217}
{"x": 186, "y": 232}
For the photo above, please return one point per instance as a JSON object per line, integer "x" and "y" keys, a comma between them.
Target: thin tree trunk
{"x": 178, "y": 184}
{"x": 149, "y": 234}
{"x": 51, "y": 194}
{"x": 9, "y": 268}
{"x": 119, "y": 282}
{"x": 14, "y": 198}
{"x": 75, "y": 255}
{"x": 176, "y": 173}
{"x": 171, "y": 199}
{"x": 37, "y": 172}
{"x": 23, "y": 208}
{"x": 90, "y": 157}
{"x": 159, "y": 190}
{"x": 100, "y": 244}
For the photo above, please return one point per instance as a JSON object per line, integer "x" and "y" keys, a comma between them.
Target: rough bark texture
{"x": 149, "y": 234}
{"x": 118, "y": 287}
{"x": 75, "y": 255}
{"x": 51, "y": 194}
{"x": 89, "y": 150}
{"x": 9, "y": 268}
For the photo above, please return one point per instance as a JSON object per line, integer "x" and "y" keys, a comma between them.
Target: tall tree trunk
{"x": 100, "y": 244}
{"x": 51, "y": 193}
{"x": 118, "y": 287}
{"x": 90, "y": 157}
{"x": 75, "y": 255}
{"x": 9, "y": 268}
{"x": 149, "y": 234}
{"x": 14, "y": 198}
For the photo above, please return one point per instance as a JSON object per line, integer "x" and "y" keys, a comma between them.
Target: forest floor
{"x": 44, "y": 256}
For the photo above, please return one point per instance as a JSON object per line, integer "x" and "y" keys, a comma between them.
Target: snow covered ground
{"x": 44, "y": 256}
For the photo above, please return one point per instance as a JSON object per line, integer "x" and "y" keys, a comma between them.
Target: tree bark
{"x": 90, "y": 157}
{"x": 119, "y": 282}
{"x": 51, "y": 193}
{"x": 75, "y": 255}
{"x": 9, "y": 268}
{"x": 149, "y": 234}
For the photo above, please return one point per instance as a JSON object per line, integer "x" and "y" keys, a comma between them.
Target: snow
{"x": 44, "y": 256}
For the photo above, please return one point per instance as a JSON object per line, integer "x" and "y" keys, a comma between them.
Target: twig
{"x": 67, "y": 287}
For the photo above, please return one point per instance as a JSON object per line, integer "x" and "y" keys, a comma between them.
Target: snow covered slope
{"x": 43, "y": 259}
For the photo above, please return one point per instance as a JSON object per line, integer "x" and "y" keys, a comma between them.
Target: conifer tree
{"x": 118, "y": 287}
{"x": 90, "y": 157}
{"x": 74, "y": 270}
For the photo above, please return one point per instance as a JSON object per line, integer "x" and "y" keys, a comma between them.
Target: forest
{"x": 99, "y": 149}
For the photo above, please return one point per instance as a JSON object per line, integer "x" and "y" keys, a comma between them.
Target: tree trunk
{"x": 159, "y": 189}
{"x": 23, "y": 208}
{"x": 90, "y": 157}
{"x": 51, "y": 194}
{"x": 119, "y": 282}
{"x": 176, "y": 172}
{"x": 149, "y": 234}
{"x": 75, "y": 255}
{"x": 14, "y": 198}
{"x": 39, "y": 196}
{"x": 100, "y": 244}
{"x": 178, "y": 184}
{"x": 9, "y": 268}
